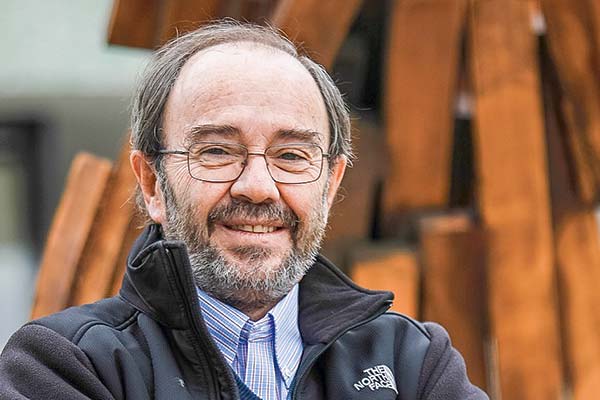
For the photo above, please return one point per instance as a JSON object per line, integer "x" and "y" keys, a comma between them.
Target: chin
{"x": 254, "y": 254}
{"x": 256, "y": 263}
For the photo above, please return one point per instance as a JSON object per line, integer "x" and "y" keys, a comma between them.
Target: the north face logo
{"x": 377, "y": 377}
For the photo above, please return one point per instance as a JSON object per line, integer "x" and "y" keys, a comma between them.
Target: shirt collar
{"x": 225, "y": 324}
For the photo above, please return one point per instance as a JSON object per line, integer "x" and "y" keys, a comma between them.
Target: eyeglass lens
{"x": 223, "y": 162}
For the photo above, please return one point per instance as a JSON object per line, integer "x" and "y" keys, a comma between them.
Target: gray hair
{"x": 162, "y": 71}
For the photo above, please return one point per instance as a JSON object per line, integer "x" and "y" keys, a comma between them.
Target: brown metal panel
{"x": 573, "y": 32}
{"x": 513, "y": 195}
{"x": 135, "y": 23}
{"x": 69, "y": 232}
{"x": 381, "y": 267}
{"x": 421, "y": 76}
{"x": 319, "y": 26}
{"x": 454, "y": 290}
{"x": 101, "y": 253}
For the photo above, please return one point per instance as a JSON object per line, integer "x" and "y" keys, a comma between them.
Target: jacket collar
{"x": 158, "y": 281}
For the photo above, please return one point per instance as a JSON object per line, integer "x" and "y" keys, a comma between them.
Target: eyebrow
{"x": 200, "y": 132}
{"x": 304, "y": 135}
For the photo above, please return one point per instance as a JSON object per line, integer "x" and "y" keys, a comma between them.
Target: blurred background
{"x": 476, "y": 125}
{"x": 63, "y": 89}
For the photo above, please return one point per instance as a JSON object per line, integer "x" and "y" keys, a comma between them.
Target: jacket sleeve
{"x": 38, "y": 363}
{"x": 444, "y": 375}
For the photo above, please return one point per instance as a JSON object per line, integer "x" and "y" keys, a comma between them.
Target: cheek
{"x": 201, "y": 197}
{"x": 303, "y": 200}
{"x": 178, "y": 173}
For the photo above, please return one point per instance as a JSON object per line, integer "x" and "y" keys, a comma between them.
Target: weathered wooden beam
{"x": 578, "y": 258}
{"x": 577, "y": 255}
{"x": 513, "y": 198}
{"x": 69, "y": 233}
{"x": 258, "y": 11}
{"x": 319, "y": 27}
{"x": 452, "y": 258}
{"x": 421, "y": 78}
{"x": 151, "y": 23}
{"x": 351, "y": 217}
{"x": 102, "y": 251}
{"x": 594, "y": 24}
{"x": 572, "y": 36}
{"x": 389, "y": 267}
{"x": 180, "y": 16}
{"x": 135, "y": 227}
{"x": 135, "y": 23}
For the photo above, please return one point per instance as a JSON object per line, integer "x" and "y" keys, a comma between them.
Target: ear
{"x": 148, "y": 183}
{"x": 335, "y": 178}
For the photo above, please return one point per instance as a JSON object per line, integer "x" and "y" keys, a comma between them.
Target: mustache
{"x": 267, "y": 212}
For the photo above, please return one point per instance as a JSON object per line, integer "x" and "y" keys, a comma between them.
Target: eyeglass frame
{"x": 245, "y": 162}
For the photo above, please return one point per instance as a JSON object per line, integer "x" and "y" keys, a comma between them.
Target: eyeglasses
{"x": 224, "y": 162}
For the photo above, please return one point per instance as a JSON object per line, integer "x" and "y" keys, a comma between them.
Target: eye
{"x": 215, "y": 151}
{"x": 291, "y": 156}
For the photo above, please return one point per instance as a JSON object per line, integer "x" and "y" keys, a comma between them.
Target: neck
{"x": 257, "y": 312}
{"x": 248, "y": 302}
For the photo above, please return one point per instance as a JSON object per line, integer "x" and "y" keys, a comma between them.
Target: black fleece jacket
{"x": 150, "y": 342}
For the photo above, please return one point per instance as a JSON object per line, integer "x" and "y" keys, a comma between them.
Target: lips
{"x": 249, "y": 218}
{"x": 252, "y": 233}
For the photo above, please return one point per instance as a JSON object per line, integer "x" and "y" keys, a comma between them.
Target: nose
{"x": 255, "y": 185}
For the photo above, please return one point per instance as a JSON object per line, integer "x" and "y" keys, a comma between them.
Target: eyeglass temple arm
{"x": 172, "y": 152}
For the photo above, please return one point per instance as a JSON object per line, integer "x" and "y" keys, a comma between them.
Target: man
{"x": 240, "y": 145}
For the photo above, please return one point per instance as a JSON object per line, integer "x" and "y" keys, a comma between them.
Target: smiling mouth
{"x": 254, "y": 228}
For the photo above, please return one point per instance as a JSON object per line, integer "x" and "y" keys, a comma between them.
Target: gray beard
{"x": 246, "y": 289}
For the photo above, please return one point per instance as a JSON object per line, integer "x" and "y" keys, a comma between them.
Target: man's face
{"x": 252, "y": 239}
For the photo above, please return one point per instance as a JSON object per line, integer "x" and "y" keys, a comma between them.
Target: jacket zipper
{"x": 309, "y": 363}
{"x": 198, "y": 330}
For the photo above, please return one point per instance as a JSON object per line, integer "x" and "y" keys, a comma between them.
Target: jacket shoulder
{"x": 44, "y": 359}
{"x": 412, "y": 344}
{"x": 428, "y": 366}
{"x": 444, "y": 374}
{"x": 407, "y": 323}
{"x": 72, "y": 323}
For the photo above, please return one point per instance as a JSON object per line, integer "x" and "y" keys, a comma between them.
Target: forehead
{"x": 256, "y": 89}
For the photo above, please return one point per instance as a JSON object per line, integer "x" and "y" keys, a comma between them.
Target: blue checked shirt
{"x": 264, "y": 354}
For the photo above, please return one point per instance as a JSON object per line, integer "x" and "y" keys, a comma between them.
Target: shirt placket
{"x": 257, "y": 348}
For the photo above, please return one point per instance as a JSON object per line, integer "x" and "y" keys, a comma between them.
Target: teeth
{"x": 254, "y": 228}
